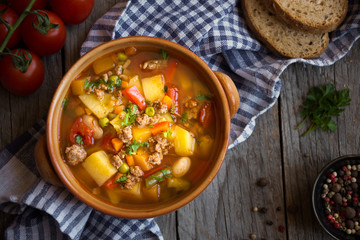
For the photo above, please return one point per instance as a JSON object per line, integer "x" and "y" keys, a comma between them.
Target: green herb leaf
{"x": 79, "y": 140}
{"x": 130, "y": 116}
{"x": 164, "y": 54}
{"x": 167, "y": 134}
{"x": 158, "y": 179}
{"x": 202, "y": 96}
{"x": 172, "y": 110}
{"x": 165, "y": 90}
{"x": 184, "y": 117}
{"x": 65, "y": 103}
{"x": 131, "y": 150}
{"x": 122, "y": 179}
{"x": 322, "y": 103}
{"x": 148, "y": 102}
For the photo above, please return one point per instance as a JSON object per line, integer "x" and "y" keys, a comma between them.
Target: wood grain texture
{"x": 305, "y": 156}
{"x": 275, "y": 151}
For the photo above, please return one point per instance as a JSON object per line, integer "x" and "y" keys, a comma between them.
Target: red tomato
{"x": 10, "y": 16}
{"x": 207, "y": 115}
{"x": 20, "y": 5}
{"x": 72, "y": 11}
{"x": 43, "y": 44}
{"x": 21, "y": 83}
{"x": 80, "y": 128}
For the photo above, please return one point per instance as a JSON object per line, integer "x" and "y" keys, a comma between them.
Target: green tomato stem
{"x": 12, "y": 28}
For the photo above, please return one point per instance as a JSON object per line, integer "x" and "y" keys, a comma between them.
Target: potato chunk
{"x": 184, "y": 142}
{"x": 153, "y": 88}
{"x": 99, "y": 167}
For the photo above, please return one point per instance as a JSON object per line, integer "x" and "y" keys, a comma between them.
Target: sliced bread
{"x": 315, "y": 16}
{"x": 280, "y": 38}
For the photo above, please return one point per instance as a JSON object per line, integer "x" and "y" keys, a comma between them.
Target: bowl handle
{"x": 231, "y": 92}
{"x": 43, "y": 163}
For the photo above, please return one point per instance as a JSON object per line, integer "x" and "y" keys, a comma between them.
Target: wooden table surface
{"x": 274, "y": 151}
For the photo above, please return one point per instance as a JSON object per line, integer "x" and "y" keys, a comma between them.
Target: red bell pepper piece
{"x": 173, "y": 93}
{"x": 207, "y": 115}
{"x": 107, "y": 145}
{"x": 170, "y": 71}
{"x": 80, "y": 128}
{"x": 160, "y": 127}
{"x": 135, "y": 96}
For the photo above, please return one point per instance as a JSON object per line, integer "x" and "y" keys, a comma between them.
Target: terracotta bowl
{"x": 227, "y": 102}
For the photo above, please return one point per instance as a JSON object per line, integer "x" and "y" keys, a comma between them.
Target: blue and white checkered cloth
{"x": 215, "y": 31}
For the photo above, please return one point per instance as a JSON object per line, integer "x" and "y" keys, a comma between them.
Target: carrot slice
{"x": 117, "y": 144}
{"x": 130, "y": 160}
{"x": 168, "y": 102}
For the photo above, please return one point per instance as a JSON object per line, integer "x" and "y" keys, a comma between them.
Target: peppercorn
{"x": 252, "y": 236}
{"x": 263, "y": 210}
{"x": 255, "y": 209}
{"x": 269, "y": 222}
{"x": 262, "y": 182}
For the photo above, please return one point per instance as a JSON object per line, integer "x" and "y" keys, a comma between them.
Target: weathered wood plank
{"x": 305, "y": 156}
{"x": 223, "y": 210}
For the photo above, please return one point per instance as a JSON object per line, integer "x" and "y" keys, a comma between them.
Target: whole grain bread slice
{"x": 280, "y": 38}
{"x": 315, "y": 16}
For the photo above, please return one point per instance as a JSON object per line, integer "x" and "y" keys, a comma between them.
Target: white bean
{"x": 92, "y": 123}
{"x": 181, "y": 166}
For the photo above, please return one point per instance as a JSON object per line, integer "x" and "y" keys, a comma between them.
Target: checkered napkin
{"x": 216, "y": 31}
{"x": 48, "y": 212}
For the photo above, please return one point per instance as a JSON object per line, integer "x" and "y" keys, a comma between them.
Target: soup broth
{"x": 138, "y": 126}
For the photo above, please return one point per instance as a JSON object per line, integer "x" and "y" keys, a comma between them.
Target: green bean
{"x": 157, "y": 177}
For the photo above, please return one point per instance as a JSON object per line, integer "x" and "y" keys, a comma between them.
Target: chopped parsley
{"x": 184, "y": 117}
{"x": 131, "y": 150}
{"x": 202, "y": 96}
{"x": 172, "y": 110}
{"x": 79, "y": 140}
{"x": 148, "y": 102}
{"x": 158, "y": 179}
{"x": 130, "y": 115}
{"x": 164, "y": 54}
{"x": 166, "y": 88}
{"x": 122, "y": 179}
{"x": 166, "y": 173}
{"x": 65, "y": 103}
{"x": 167, "y": 134}
{"x": 113, "y": 82}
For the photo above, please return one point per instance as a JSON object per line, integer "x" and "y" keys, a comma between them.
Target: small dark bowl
{"x": 318, "y": 202}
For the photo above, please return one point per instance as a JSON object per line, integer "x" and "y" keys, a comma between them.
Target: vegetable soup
{"x": 138, "y": 126}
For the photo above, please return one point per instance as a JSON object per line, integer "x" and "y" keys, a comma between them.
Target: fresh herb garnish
{"x": 148, "y": 102}
{"x": 79, "y": 140}
{"x": 158, "y": 179}
{"x": 166, "y": 173}
{"x": 131, "y": 150}
{"x": 167, "y": 134}
{"x": 113, "y": 82}
{"x": 197, "y": 141}
{"x": 130, "y": 115}
{"x": 65, "y": 103}
{"x": 164, "y": 54}
{"x": 165, "y": 90}
{"x": 122, "y": 179}
{"x": 202, "y": 96}
{"x": 184, "y": 117}
{"x": 321, "y": 104}
{"x": 172, "y": 110}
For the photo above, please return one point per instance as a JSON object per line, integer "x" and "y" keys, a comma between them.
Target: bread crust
{"x": 269, "y": 44}
{"x": 303, "y": 24}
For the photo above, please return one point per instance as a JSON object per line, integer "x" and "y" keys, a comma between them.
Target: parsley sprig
{"x": 130, "y": 116}
{"x": 122, "y": 179}
{"x": 116, "y": 82}
{"x": 322, "y": 103}
{"x": 132, "y": 148}
{"x": 202, "y": 96}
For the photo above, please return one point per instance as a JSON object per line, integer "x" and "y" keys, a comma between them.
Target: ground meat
{"x": 75, "y": 154}
{"x": 126, "y": 64}
{"x": 118, "y": 69}
{"x": 130, "y": 181}
{"x": 144, "y": 120}
{"x": 191, "y": 103}
{"x": 155, "y": 158}
{"x": 99, "y": 94}
{"x": 162, "y": 144}
{"x": 116, "y": 161}
{"x": 118, "y": 94}
{"x": 105, "y": 77}
{"x": 154, "y": 65}
{"x": 136, "y": 171}
{"x": 126, "y": 135}
{"x": 160, "y": 107}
